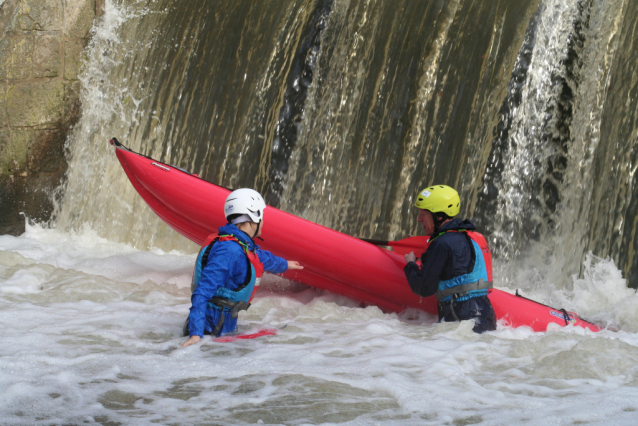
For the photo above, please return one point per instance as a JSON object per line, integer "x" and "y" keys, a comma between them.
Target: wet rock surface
{"x": 41, "y": 45}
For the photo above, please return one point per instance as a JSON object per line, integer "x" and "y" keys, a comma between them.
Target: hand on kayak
{"x": 191, "y": 341}
{"x": 293, "y": 264}
{"x": 410, "y": 257}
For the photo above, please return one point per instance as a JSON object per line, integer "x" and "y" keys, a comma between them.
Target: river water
{"x": 91, "y": 335}
{"x": 339, "y": 111}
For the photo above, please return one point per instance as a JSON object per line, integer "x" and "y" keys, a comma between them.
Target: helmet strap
{"x": 438, "y": 219}
{"x": 257, "y": 230}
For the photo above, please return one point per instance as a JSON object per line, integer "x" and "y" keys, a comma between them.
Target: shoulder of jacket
{"x": 228, "y": 246}
{"x": 450, "y": 239}
{"x": 439, "y": 243}
{"x": 266, "y": 252}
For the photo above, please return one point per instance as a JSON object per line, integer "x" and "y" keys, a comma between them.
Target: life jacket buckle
{"x": 462, "y": 290}
{"x": 230, "y": 306}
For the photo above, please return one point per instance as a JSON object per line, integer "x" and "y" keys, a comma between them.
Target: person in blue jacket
{"x": 453, "y": 267}
{"x": 227, "y": 271}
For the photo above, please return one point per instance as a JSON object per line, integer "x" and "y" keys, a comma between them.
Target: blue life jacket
{"x": 245, "y": 291}
{"x": 467, "y": 286}
{"x": 223, "y": 266}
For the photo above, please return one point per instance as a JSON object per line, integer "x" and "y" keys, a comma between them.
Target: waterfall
{"x": 539, "y": 180}
{"x": 339, "y": 111}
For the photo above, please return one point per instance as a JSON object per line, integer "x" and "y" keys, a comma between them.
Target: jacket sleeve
{"x": 214, "y": 275}
{"x": 425, "y": 281}
{"x": 272, "y": 263}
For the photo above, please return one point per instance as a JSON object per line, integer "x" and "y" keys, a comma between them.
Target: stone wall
{"x": 40, "y": 58}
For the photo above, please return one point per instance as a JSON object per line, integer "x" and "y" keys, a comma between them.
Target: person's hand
{"x": 293, "y": 264}
{"x": 410, "y": 257}
{"x": 191, "y": 341}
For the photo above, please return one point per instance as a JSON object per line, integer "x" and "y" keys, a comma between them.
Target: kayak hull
{"x": 332, "y": 261}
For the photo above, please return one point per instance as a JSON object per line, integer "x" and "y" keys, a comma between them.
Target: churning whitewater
{"x": 91, "y": 333}
{"x": 324, "y": 105}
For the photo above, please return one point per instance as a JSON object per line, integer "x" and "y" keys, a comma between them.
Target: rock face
{"x": 40, "y": 58}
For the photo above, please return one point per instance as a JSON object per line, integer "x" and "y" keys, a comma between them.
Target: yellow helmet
{"x": 439, "y": 198}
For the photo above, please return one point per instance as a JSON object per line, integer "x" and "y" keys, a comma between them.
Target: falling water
{"x": 540, "y": 180}
{"x": 340, "y": 111}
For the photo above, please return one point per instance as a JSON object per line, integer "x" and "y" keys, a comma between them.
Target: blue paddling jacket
{"x": 224, "y": 272}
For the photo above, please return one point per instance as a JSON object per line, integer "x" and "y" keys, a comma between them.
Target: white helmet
{"x": 245, "y": 201}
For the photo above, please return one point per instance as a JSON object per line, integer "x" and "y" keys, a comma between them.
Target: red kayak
{"x": 332, "y": 261}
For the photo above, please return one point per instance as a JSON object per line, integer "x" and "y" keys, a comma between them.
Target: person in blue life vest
{"x": 228, "y": 271}
{"x": 453, "y": 267}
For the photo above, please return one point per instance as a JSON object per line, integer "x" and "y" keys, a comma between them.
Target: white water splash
{"x": 92, "y": 333}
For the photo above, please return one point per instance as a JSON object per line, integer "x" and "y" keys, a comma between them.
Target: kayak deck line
{"x": 569, "y": 317}
{"x": 159, "y": 164}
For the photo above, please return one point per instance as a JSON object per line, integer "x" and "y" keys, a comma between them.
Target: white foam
{"x": 92, "y": 330}
{"x": 601, "y": 295}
